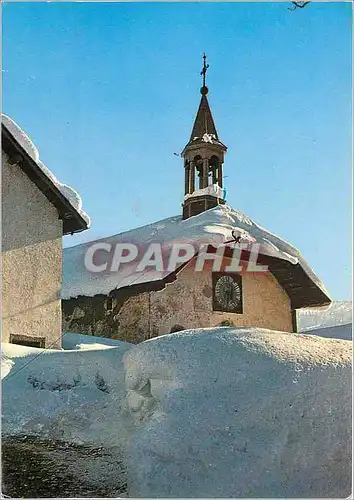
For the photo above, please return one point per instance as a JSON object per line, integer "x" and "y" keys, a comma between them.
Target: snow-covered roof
{"x": 58, "y": 190}
{"x": 214, "y": 227}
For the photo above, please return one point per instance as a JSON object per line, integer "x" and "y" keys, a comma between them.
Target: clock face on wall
{"x": 227, "y": 292}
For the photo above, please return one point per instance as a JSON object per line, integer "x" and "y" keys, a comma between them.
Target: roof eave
{"x": 73, "y": 222}
{"x": 198, "y": 144}
{"x": 301, "y": 289}
{"x": 293, "y": 279}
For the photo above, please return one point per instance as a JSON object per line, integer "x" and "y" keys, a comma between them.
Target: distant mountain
{"x": 338, "y": 313}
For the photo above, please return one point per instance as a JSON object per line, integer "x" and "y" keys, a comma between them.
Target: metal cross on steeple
{"x": 204, "y": 70}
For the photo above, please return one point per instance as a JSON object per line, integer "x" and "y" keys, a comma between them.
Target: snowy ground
{"x": 34, "y": 467}
{"x": 220, "y": 412}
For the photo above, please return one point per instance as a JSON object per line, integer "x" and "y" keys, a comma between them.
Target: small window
{"x": 177, "y": 328}
{"x": 28, "y": 341}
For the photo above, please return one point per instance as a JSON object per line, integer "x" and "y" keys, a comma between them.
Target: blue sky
{"x": 108, "y": 92}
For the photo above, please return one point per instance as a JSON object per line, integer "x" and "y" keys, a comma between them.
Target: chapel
{"x": 135, "y": 305}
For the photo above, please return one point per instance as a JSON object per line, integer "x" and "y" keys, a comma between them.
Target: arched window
{"x": 214, "y": 170}
{"x": 109, "y": 304}
{"x": 198, "y": 162}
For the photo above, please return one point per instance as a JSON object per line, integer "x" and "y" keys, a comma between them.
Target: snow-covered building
{"x": 37, "y": 210}
{"x": 134, "y": 302}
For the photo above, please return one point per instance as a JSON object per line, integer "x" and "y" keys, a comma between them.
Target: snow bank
{"x": 75, "y": 396}
{"x": 337, "y": 313}
{"x": 214, "y": 227}
{"x": 67, "y": 191}
{"x": 240, "y": 413}
{"x": 225, "y": 412}
{"x": 82, "y": 341}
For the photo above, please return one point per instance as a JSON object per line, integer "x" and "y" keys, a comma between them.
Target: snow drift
{"x": 240, "y": 413}
{"x": 79, "y": 341}
{"x": 225, "y": 412}
{"x": 70, "y": 395}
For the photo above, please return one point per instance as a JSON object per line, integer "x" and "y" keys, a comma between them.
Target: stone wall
{"x": 188, "y": 302}
{"x": 138, "y": 314}
{"x": 31, "y": 259}
{"x": 126, "y": 320}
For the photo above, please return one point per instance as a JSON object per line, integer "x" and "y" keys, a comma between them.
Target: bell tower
{"x": 203, "y": 160}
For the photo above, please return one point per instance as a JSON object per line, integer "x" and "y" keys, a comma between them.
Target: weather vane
{"x": 204, "y": 70}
